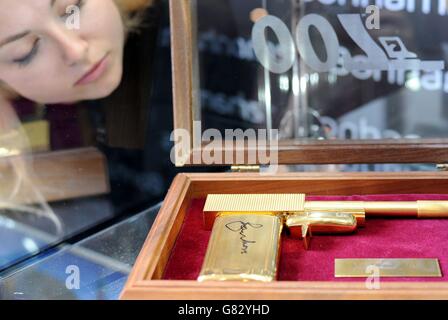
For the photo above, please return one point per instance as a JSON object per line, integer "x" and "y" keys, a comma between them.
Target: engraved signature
{"x": 241, "y": 227}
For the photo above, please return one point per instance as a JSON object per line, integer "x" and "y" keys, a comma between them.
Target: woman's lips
{"x": 95, "y": 73}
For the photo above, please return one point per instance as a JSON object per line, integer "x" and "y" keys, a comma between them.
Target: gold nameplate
{"x": 243, "y": 247}
{"x": 409, "y": 268}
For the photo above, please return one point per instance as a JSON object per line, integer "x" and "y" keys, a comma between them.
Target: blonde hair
{"x": 19, "y": 191}
{"x": 132, "y": 12}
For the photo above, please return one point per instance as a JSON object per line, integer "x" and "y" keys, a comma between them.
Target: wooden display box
{"x": 146, "y": 280}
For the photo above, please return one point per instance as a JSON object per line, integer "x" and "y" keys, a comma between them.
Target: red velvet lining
{"x": 381, "y": 238}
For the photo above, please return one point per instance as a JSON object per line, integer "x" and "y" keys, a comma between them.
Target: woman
{"x": 43, "y": 58}
{"x": 46, "y": 58}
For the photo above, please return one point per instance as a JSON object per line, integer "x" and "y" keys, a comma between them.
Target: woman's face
{"x": 45, "y": 58}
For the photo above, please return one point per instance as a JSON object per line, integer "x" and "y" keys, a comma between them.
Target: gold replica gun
{"x": 246, "y": 228}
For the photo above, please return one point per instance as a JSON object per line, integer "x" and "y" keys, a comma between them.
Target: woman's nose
{"x": 77, "y": 51}
{"x": 74, "y": 47}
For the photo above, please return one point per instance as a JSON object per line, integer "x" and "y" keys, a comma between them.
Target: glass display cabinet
{"x": 284, "y": 82}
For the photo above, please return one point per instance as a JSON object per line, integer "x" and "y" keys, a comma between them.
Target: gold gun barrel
{"x": 414, "y": 209}
{"x": 303, "y": 228}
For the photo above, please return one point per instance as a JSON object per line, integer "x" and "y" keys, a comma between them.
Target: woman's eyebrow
{"x": 22, "y": 34}
{"x": 14, "y": 38}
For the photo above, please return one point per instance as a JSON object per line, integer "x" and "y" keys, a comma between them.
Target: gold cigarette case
{"x": 243, "y": 247}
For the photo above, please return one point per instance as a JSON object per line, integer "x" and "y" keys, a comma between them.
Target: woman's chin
{"x": 95, "y": 93}
{"x": 107, "y": 87}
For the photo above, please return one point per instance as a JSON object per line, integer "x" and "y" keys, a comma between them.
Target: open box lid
{"x": 328, "y": 81}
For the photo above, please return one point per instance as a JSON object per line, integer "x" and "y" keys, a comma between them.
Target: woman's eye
{"x": 25, "y": 60}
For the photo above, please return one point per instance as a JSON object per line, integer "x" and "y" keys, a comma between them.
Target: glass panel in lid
{"x": 333, "y": 70}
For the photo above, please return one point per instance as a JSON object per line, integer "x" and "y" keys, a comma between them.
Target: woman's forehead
{"x": 19, "y": 9}
{"x": 14, "y": 5}
{"x": 22, "y": 15}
